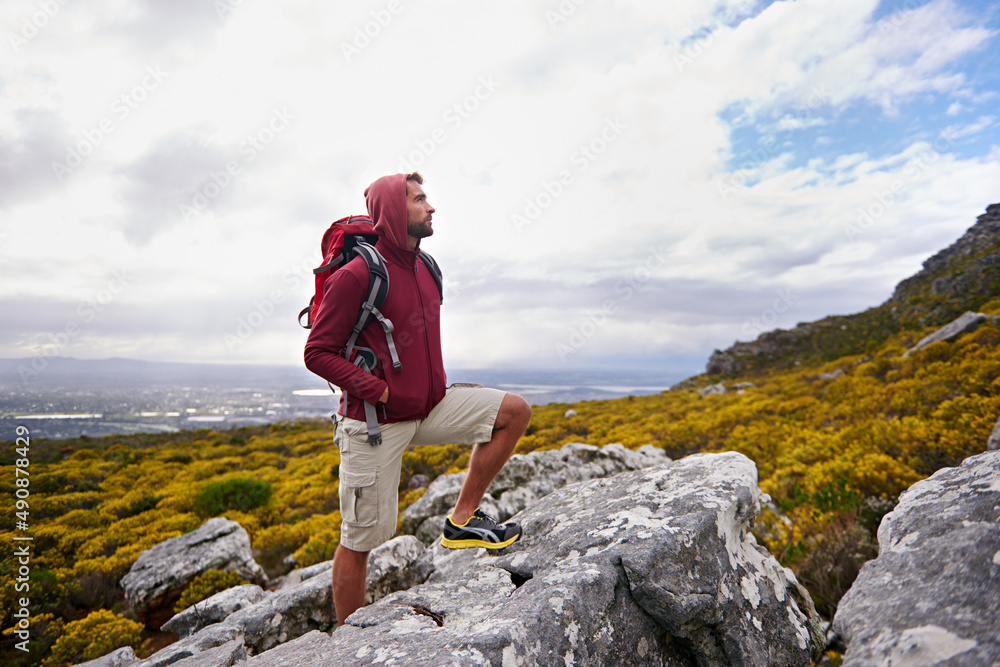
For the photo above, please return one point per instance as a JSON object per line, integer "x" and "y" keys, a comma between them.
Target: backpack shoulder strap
{"x": 378, "y": 289}
{"x": 435, "y": 270}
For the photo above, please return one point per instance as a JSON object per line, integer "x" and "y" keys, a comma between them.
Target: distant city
{"x": 65, "y": 398}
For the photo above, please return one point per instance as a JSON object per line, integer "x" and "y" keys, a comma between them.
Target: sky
{"x": 618, "y": 185}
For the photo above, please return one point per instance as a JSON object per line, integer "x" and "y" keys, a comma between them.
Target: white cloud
{"x": 605, "y": 131}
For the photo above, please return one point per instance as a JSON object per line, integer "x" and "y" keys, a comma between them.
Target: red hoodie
{"x": 413, "y": 305}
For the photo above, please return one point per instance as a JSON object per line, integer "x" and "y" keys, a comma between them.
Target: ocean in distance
{"x": 72, "y": 397}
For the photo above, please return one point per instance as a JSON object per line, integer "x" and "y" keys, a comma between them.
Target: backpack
{"x": 344, "y": 240}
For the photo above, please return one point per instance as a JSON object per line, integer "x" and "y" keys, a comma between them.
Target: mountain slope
{"x": 964, "y": 276}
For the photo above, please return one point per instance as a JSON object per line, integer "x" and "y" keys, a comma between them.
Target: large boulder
{"x": 245, "y": 620}
{"x": 650, "y": 567}
{"x": 932, "y": 597}
{"x": 524, "y": 479}
{"x": 160, "y": 574}
{"x": 965, "y": 323}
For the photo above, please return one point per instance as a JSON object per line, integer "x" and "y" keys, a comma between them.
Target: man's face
{"x": 418, "y": 211}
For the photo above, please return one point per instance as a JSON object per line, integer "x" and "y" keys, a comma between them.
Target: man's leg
{"x": 488, "y": 458}
{"x": 350, "y": 576}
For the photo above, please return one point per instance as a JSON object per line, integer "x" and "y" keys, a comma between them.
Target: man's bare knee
{"x": 514, "y": 412}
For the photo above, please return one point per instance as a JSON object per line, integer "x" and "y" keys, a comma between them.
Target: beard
{"x": 419, "y": 230}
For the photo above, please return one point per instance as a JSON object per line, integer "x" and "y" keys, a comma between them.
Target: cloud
{"x": 741, "y": 150}
{"x": 181, "y": 170}
{"x": 37, "y": 138}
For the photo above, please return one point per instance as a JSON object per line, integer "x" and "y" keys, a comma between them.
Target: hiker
{"x": 412, "y": 405}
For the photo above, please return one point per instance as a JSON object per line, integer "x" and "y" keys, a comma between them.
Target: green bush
{"x": 233, "y": 494}
{"x": 206, "y": 585}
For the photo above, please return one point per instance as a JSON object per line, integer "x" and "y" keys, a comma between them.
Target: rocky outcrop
{"x": 713, "y": 390}
{"x": 649, "y": 567}
{"x": 160, "y": 574}
{"x": 932, "y": 597}
{"x": 213, "y": 609}
{"x": 119, "y": 658}
{"x": 246, "y": 620}
{"x": 653, "y": 566}
{"x": 993, "y": 444}
{"x": 523, "y": 480}
{"x": 968, "y": 321}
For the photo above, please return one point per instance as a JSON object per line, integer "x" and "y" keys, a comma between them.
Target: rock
{"x": 569, "y": 413}
{"x": 225, "y": 655}
{"x": 213, "y": 609}
{"x": 160, "y": 574}
{"x": 932, "y": 597}
{"x": 207, "y": 639}
{"x": 418, "y": 482}
{"x": 993, "y": 443}
{"x": 292, "y": 611}
{"x": 832, "y": 375}
{"x": 650, "y": 567}
{"x": 296, "y": 577}
{"x": 284, "y": 615}
{"x": 523, "y": 480}
{"x": 392, "y": 567}
{"x": 722, "y": 363}
{"x": 969, "y": 321}
{"x": 712, "y": 390}
{"x": 123, "y": 657}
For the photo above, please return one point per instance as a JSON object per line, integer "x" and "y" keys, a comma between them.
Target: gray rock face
{"x": 993, "y": 444}
{"x": 393, "y": 567}
{"x": 161, "y": 573}
{"x": 122, "y": 657}
{"x": 967, "y": 322}
{"x": 932, "y": 597}
{"x": 237, "y": 622}
{"x": 713, "y": 390}
{"x": 213, "y": 609}
{"x": 523, "y": 480}
{"x": 649, "y": 567}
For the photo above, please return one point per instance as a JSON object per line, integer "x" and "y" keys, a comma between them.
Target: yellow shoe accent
{"x": 468, "y": 544}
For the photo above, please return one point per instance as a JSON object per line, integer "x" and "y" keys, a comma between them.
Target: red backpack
{"x": 344, "y": 240}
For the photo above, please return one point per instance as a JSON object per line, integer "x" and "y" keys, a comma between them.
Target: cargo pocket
{"x": 359, "y": 503}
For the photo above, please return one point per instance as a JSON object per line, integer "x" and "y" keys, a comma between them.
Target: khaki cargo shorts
{"x": 369, "y": 476}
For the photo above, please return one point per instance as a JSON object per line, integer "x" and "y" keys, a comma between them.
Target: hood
{"x": 386, "y": 200}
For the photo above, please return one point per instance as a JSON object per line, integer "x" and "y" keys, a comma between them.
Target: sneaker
{"x": 481, "y": 530}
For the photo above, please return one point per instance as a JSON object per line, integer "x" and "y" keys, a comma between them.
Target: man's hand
{"x": 384, "y": 398}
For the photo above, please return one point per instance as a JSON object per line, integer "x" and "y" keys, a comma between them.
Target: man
{"x": 413, "y": 404}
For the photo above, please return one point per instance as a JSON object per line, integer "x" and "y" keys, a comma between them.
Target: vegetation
{"x": 835, "y": 444}
{"x": 206, "y": 585}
